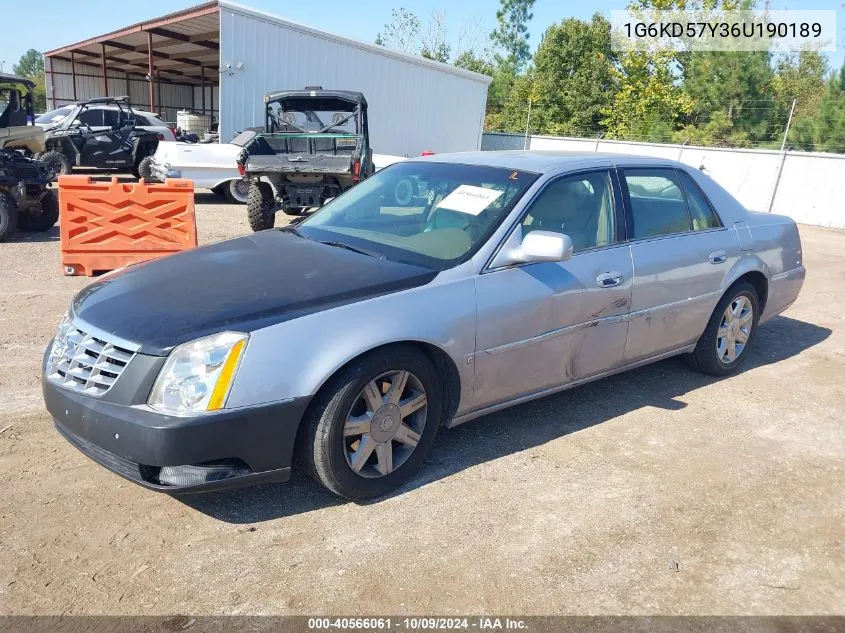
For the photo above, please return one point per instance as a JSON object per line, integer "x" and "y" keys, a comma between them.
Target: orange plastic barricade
{"x": 106, "y": 225}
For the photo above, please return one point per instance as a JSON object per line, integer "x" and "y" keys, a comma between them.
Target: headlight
{"x": 197, "y": 375}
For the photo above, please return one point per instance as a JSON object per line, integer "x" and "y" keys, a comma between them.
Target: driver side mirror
{"x": 536, "y": 246}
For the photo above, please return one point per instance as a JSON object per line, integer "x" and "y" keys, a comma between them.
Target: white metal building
{"x": 220, "y": 58}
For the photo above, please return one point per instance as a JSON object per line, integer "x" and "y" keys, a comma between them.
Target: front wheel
{"x": 372, "y": 426}
{"x": 723, "y": 346}
{"x": 56, "y": 163}
{"x": 42, "y": 216}
{"x": 259, "y": 206}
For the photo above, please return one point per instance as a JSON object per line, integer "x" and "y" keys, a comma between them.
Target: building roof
{"x": 186, "y": 45}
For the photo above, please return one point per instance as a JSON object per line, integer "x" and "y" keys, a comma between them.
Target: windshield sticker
{"x": 469, "y": 199}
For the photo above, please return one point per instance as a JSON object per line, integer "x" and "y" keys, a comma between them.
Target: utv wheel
{"x": 56, "y": 162}
{"x": 372, "y": 426}
{"x": 293, "y": 210}
{"x": 259, "y": 206}
{"x": 731, "y": 329}
{"x": 236, "y": 191}
{"x": 145, "y": 169}
{"x": 42, "y": 216}
{"x": 8, "y": 216}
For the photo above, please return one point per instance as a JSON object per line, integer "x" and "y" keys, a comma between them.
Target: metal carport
{"x": 164, "y": 64}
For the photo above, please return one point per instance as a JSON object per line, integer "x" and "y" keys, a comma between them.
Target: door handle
{"x": 609, "y": 279}
{"x": 718, "y": 257}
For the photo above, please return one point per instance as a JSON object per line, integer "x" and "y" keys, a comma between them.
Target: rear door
{"x": 546, "y": 324}
{"x": 681, "y": 254}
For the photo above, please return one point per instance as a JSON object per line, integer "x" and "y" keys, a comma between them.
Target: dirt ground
{"x": 656, "y": 491}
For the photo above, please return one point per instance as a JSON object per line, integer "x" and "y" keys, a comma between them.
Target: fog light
{"x": 201, "y": 474}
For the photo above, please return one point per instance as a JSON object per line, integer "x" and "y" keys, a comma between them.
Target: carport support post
{"x": 151, "y": 69}
{"x": 105, "y": 72}
{"x": 202, "y": 87}
{"x": 73, "y": 71}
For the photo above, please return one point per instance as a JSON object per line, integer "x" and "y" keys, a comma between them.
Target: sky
{"x": 61, "y": 23}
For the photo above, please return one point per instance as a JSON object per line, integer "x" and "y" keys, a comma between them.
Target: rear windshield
{"x": 425, "y": 213}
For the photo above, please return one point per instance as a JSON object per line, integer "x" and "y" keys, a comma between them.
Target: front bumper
{"x": 136, "y": 442}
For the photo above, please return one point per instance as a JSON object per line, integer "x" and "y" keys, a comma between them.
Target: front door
{"x": 546, "y": 324}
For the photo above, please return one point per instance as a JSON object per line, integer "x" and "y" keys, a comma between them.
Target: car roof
{"x": 542, "y": 161}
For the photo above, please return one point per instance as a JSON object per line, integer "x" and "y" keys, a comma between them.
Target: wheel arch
{"x": 443, "y": 363}
{"x": 756, "y": 278}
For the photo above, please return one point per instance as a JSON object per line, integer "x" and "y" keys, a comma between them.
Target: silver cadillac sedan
{"x": 434, "y": 292}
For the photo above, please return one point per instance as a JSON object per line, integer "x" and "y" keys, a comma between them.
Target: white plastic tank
{"x": 197, "y": 124}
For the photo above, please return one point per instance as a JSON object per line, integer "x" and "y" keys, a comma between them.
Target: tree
{"x": 31, "y": 64}
{"x": 402, "y": 32}
{"x": 433, "y": 42}
{"x": 574, "y": 78}
{"x": 800, "y": 76}
{"x": 512, "y": 33}
{"x": 469, "y": 61}
{"x": 650, "y": 102}
{"x": 825, "y": 131}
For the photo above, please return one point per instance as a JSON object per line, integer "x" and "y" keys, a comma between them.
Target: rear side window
{"x": 92, "y": 117}
{"x": 657, "y": 203}
{"x": 703, "y": 215}
{"x": 142, "y": 120}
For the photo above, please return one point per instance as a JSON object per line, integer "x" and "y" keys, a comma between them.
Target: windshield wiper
{"x": 354, "y": 249}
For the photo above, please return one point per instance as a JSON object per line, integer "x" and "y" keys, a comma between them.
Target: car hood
{"x": 242, "y": 284}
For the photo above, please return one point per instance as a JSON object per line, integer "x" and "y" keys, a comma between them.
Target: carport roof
{"x": 185, "y": 46}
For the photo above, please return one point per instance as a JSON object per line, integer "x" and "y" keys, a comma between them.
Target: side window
{"x": 657, "y": 203}
{"x": 703, "y": 215}
{"x": 580, "y": 206}
{"x": 112, "y": 118}
{"x": 140, "y": 120}
{"x": 91, "y": 117}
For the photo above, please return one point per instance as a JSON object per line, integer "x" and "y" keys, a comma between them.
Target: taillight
{"x": 356, "y": 171}
{"x": 241, "y": 169}
{"x": 426, "y": 152}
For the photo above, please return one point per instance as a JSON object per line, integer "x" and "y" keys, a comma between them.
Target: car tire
{"x": 331, "y": 453}
{"x": 724, "y": 345}
{"x": 145, "y": 169}
{"x": 42, "y": 217}
{"x": 237, "y": 191}
{"x": 8, "y": 216}
{"x": 259, "y": 206}
{"x": 56, "y": 162}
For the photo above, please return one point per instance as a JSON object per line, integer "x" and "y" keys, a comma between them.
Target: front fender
{"x": 295, "y": 358}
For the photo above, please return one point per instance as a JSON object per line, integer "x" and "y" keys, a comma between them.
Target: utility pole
{"x": 788, "y": 123}
{"x": 527, "y": 123}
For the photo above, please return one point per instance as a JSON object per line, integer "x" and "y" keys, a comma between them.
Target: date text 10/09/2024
{"x": 416, "y": 624}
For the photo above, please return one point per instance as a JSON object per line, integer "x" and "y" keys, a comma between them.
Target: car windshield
{"x": 55, "y": 116}
{"x": 425, "y": 213}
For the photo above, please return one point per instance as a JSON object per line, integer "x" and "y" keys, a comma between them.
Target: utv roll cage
{"x": 127, "y": 114}
{"x": 19, "y": 110}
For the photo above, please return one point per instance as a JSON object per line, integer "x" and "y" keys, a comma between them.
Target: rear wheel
{"x": 372, "y": 426}
{"x": 56, "y": 163}
{"x": 722, "y": 347}
{"x": 259, "y": 206}
{"x": 145, "y": 169}
{"x": 8, "y": 216}
{"x": 42, "y": 216}
{"x": 237, "y": 191}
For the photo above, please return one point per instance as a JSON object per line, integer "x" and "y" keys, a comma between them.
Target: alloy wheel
{"x": 384, "y": 424}
{"x": 734, "y": 329}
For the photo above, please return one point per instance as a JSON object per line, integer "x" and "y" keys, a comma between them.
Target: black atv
{"x": 315, "y": 145}
{"x": 116, "y": 144}
{"x": 26, "y": 203}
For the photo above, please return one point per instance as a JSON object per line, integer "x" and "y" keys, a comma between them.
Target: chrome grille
{"x": 83, "y": 362}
